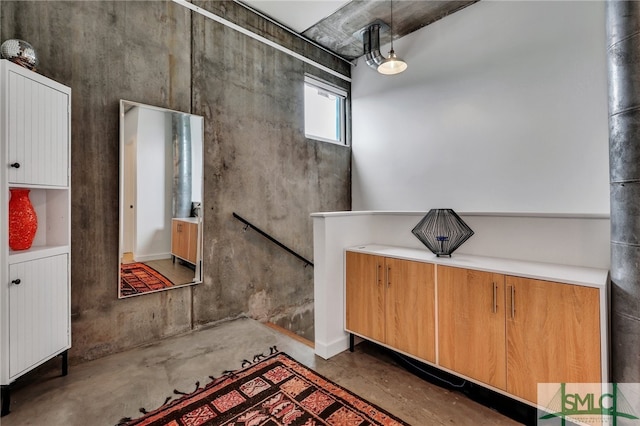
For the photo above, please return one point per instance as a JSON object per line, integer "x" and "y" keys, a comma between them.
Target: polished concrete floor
{"x": 177, "y": 271}
{"x": 103, "y": 391}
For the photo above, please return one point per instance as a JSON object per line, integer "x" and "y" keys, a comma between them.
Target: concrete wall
{"x": 256, "y": 159}
{"x": 503, "y": 108}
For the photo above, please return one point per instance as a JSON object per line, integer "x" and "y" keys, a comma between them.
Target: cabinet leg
{"x": 6, "y": 399}
{"x": 65, "y": 362}
{"x": 351, "y": 342}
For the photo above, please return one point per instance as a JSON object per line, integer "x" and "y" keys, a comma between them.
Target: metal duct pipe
{"x": 371, "y": 42}
{"x": 181, "y": 125}
{"x": 623, "y": 58}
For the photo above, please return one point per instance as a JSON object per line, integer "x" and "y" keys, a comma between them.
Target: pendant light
{"x": 393, "y": 64}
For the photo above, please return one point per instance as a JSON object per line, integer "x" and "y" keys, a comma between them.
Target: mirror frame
{"x": 126, "y": 106}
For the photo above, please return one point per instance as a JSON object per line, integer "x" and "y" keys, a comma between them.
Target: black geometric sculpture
{"x": 442, "y": 231}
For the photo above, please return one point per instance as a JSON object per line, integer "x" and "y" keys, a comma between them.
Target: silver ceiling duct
{"x": 182, "y": 169}
{"x": 371, "y": 41}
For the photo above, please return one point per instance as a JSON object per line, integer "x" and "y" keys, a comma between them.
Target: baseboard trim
{"x": 327, "y": 351}
{"x": 290, "y": 334}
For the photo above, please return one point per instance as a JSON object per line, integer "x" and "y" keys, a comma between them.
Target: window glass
{"x": 324, "y": 111}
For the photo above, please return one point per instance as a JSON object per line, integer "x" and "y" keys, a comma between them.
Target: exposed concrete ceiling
{"x": 339, "y": 30}
{"x": 298, "y": 15}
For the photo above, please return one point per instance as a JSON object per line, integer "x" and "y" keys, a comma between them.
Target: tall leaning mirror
{"x": 161, "y": 183}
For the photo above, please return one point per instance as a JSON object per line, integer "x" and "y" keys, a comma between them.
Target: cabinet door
{"x": 175, "y": 238}
{"x": 471, "y": 330}
{"x": 410, "y": 312}
{"x": 553, "y": 335}
{"x": 179, "y": 239}
{"x": 192, "y": 230}
{"x": 38, "y": 134}
{"x": 364, "y": 303}
{"x": 38, "y": 312}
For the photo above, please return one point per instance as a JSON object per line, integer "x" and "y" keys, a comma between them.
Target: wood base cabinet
{"x": 494, "y": 327}
{"x": 184, "y": 239}
{"x": 391, "y": 301}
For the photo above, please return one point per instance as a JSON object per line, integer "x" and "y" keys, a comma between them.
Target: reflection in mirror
{"x": 160, "y": 199}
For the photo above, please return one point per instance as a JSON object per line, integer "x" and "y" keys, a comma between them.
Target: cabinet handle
{"x": 494, "y": 308}
{"x": 513, "y": 302}
{"x": 15, "y": 165}
{"x": 388, "y": 276}
{"x": 378, "y": 274}
{"x": 16, "y": 281}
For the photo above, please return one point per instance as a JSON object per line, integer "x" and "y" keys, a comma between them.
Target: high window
{"x": 324, "y": 111}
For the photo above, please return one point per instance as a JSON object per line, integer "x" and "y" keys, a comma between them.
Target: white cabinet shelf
{"x": 35, "y": 295}
{"x": 17, "y": 256}
{"x": 52, "y": 210}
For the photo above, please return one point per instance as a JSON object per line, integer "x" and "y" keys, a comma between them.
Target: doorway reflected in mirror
{"x": 161, "y": 176}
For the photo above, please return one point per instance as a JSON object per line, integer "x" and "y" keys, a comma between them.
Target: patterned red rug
{"x": 275, "y": 391}
{"x": 136, "y": 278}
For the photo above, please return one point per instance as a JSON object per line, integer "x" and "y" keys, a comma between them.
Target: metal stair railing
{"x": 270, "y": 238}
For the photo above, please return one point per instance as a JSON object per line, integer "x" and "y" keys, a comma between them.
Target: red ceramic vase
{"x": 23, "y": 222}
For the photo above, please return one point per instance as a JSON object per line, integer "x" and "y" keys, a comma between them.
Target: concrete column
{"x": 623, "y": 54}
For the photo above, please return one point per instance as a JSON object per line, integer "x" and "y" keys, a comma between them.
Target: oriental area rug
{"x": 272, "y": 391}
{"x": 136, "y": 278}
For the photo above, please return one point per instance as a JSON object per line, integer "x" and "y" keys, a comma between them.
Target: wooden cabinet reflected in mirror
{"x": 161, "y": 178}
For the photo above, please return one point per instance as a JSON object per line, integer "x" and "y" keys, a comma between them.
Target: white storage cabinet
{"x": 35, "y": 302}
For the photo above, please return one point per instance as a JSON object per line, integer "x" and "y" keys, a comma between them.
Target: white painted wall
{"x": 332, "y": 232}
{"x": 153, "y": 211}
{"x": 197, "y": 132}
{"x": 503, "y": 109}
{"x": 128, "y": 202}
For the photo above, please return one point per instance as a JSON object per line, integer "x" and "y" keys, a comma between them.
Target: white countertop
{"x": 590, "y": 277}
{"x": 487, "y": 214}
{"x": 187, "y": 219}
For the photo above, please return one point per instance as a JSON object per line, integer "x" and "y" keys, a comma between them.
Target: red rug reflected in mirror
{"x": 136, "y": 278}
{"x": 274, "y": 391}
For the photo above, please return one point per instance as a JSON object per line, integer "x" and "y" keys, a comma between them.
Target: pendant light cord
{"x": 391, "y": 24}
